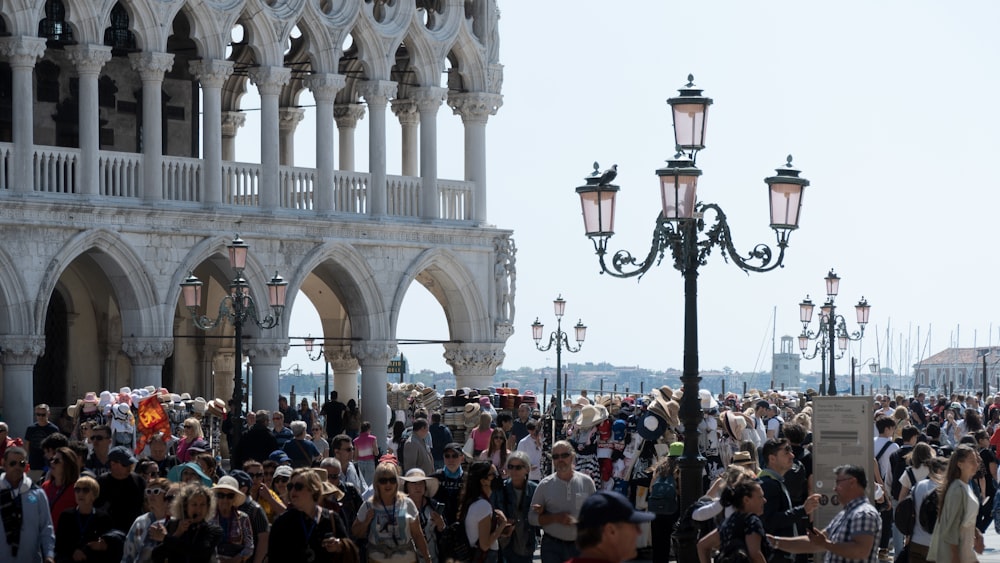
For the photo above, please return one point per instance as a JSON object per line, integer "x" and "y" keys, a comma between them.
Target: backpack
{"x": 929, "y": 510}
{"x": 897, "y": 466}
{"x": 906, "y": 514}
{"x": 454, "y": 544}
{"x": 797, "y": 483}
{"x": 663, "y": 496}
{"x": 686, "y": 522}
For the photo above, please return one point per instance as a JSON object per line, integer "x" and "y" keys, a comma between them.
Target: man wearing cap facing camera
{"x": 608, "y": 528}
{"x": 121, "y": 489}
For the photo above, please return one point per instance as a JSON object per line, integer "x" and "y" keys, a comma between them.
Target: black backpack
{"x": 897, "y": 466}
{"x": 662, "y": 497}
{"x": 906, "y": 514}
{"x": 929, "y": 510}
{"x": 797, "y": 483}
{"x": 686, "y": 521}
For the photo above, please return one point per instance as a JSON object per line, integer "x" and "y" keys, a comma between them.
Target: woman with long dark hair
{"x": 58, "y": 486}
{"x": 484, "y": 525}
{"x": 742, "y": 534}
{"x": 955, "y": 538}
{"x": 496, "y": 453}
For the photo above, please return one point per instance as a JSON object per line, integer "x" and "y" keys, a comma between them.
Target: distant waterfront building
{"x": 785, "y": 365}
{"x": 961, "y": 367}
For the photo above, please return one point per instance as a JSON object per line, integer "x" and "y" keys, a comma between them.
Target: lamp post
{"x": 676, "y": 230}
{"x": 560, "y": 340}
{"x": 237, "y": 307}
{"x": 832, "y": 327}
{"x": 821, "y": 348}
{"x": 310, "y": 341}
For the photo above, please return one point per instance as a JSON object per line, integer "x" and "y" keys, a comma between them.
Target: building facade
{"x": 119, "y": 123}
{"x": 785, "y": 370}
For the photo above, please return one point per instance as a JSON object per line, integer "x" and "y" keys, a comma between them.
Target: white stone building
{"x": 112, "y": 191}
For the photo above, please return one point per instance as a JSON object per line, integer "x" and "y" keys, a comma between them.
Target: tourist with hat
{"x": 608, "y": 529}
{"x": 237, "y": 540}
{"x": 450, "y": 479}
{"x": 389, "y": 521}
{"x": 556, "y": 504}
{"x": 258, "y": 518}
{"x": 421, "y": 489}
{"x": 121, "y": 490}
{"x": 187, "y": 473}
{"x": 279, "y": 482}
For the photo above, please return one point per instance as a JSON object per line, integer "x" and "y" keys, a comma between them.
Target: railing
{"x": 455, "y": 199}
{"x": 403, "y": 193}
{"x": 55, "y": 170}
{"x": 240, "y": 183}
{"x": 119, "y": 174}
{"x": 297, "y": 187}
{"x": 182, "y": 179}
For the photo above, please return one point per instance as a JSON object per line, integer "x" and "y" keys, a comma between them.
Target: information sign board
{"x": 843, "y": 433}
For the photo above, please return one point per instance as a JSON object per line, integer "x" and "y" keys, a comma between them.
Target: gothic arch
{"x": 211, "y": 25}
{"x": 455, "y": 290}
{"x": 15, "y": 308}
{"x": 131, "y": 285}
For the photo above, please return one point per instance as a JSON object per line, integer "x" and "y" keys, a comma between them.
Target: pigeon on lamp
{"x": 608, "y": 175}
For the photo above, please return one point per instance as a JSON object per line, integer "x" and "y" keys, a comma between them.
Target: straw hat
{"x": 651, "y": 426}
{"x": 230, "y": 484}
{"x": 417, "y": 475}
{"x": 326, "y": 487}
{"x": 742, "y": 458}
{"x": 591, "y": 416}
{"x": 707, "y": 399}
{"x": 733, "y": 423}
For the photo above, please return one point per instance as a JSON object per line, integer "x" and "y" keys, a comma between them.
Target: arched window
{"x": 118, "y": 36}
{"x": 54, "y": 27}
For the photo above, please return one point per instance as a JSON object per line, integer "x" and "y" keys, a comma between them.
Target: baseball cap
{"x": 279, "y": 456}
{"x": 609, "y": 507}
{"x": 454, "y": 446}
{"x": 676, "y": 449}
{"x": 122, "y": 455}
{"x": 242, "y": 477}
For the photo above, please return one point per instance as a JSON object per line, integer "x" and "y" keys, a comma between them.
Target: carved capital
{"x": 325, "y": 86}
{"x": 16, "y": 349}
{"x": 474, "y": 360}
{"x": 231, "y": 122}
{"x": 22, "y": 52}
{"x": 428, "y": 98}
{"x": 406, "y": 111}
{"x": 374, "y": 351}
{"x": 475, "y": 107}
{"x": 377, "y": 92}
{"x": 88, "y": 59}
{"x": 151, "y": 66}
{"x": 270, "y": 79}
{"x": 341, "y": 359}
{"x": 289, "y": 118}
{"x": 148, "y": 351}
{"x": 212, "y": 73}
{"x": 347, "y": 115}
{"x": 503, "y": 330}
{"x": 266, "y": 351}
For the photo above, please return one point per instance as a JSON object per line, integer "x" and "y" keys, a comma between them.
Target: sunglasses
{"x": 561, "y": 456}
{"x": 22, "y": 463}
{"x": 297, "y": 486}
{"x": 347, "y": 449}
{"x": 333, "y": 476}
{"x": 188, "y": 426}
{"x": 41, "y": 414}
{"x": 386, "y": 480}
{"x": 225, "y": 496}
{"x": 450, "y": 456}
{"x": 169, "y": 498}
{"x": 154, "y": 491}
{"x": 280, "y": 480}
{"x": 256, "y": 475}
{"x": 516, "y": 466}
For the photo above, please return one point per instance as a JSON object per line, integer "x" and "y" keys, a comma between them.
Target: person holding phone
{"x": 188, "y": 535}
{"x": 307, "y": 531}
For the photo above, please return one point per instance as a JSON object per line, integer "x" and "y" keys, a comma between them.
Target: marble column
{"x": 231, "y": 123}
{"x": 22, "y": 53}
{"x": 374, "y": 357}
{"x": 151, "y": 68}
{"x": 269, "y": 81}
{"x": 377, "y": 94}
{"x": 288, "y": 121}
{"x": 345, "y": 372}
{"x": 147, "y": 355}
{"x": 324, "y": 88}
{"x": 265, "y": 360}
{"x": 18, "y": 358}
{"x": 428, "y": 99}
{"x": 347, "y": 116}
{"x": 213, "y": 75}
{"x": 89, "y": 60}
{"x": 406, "y": 111}
{"x": 475, "y": 109}
{"x": 474, "y": 364}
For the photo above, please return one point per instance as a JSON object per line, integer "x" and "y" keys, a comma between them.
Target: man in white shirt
{"x": 774, "y": 422}
{"x": 759, "y": 426}
{"x": 532, "y": 446}
{"x": 885, "y": 446}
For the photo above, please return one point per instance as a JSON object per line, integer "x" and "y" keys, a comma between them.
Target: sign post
{"x": 843, "y": 433}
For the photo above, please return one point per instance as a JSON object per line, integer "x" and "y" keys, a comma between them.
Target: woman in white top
{"x": 917, "y": 469}
{"x": 921, "y": 539}
{"x": 484, "y": 525}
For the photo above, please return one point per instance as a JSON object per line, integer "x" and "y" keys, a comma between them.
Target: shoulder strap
{"x": 913, "y": 479}
{"x": 885, "y": 447}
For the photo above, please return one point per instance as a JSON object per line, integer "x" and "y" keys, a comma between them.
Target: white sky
{"x": 890, "y": 109}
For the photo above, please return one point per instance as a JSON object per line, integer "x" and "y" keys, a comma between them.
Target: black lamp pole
{"x": 677, "y": 230}
{"x": 309, "y": 342}
{"x": 560, "y": 340}
{"x": 832, "y": 329}
{"x": 237, "y": 307}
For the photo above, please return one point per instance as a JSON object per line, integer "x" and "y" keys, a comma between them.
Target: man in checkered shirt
{"x": 851, "y": 535}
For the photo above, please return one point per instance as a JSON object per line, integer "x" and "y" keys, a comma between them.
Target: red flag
{"x": 152, "y": 419}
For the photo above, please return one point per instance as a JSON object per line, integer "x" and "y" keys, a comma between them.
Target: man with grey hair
{"x": 302, "y": 452}
{"x": 352, "y": 500}
{"x": 555, "y": 506}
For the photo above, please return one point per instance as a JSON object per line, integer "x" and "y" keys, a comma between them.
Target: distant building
{"x": 785, "y": 365}
{"x": 961, "y": 367}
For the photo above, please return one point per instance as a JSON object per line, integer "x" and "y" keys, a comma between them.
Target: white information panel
{"x": 843, "y": 433}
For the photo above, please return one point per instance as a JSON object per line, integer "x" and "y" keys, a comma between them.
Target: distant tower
{"x": 785, "y": 365}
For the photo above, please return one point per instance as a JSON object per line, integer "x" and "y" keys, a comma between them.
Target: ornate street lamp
{"x": 237, "y": 307}
{"x": 822, "y": 347}
{"x": 561, "y": 341}
{"x": 676, "y": 229}
{"x": 832, "y": 327}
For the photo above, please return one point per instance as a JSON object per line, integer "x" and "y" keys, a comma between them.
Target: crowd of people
{"x": 591, "y": 480}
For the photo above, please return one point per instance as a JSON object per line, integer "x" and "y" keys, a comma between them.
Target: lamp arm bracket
{"x": 760, "y": 259}
{"x": 567, "y": 346}
{"x": 623, "y": 261}
{"x": 226, "y": 313}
